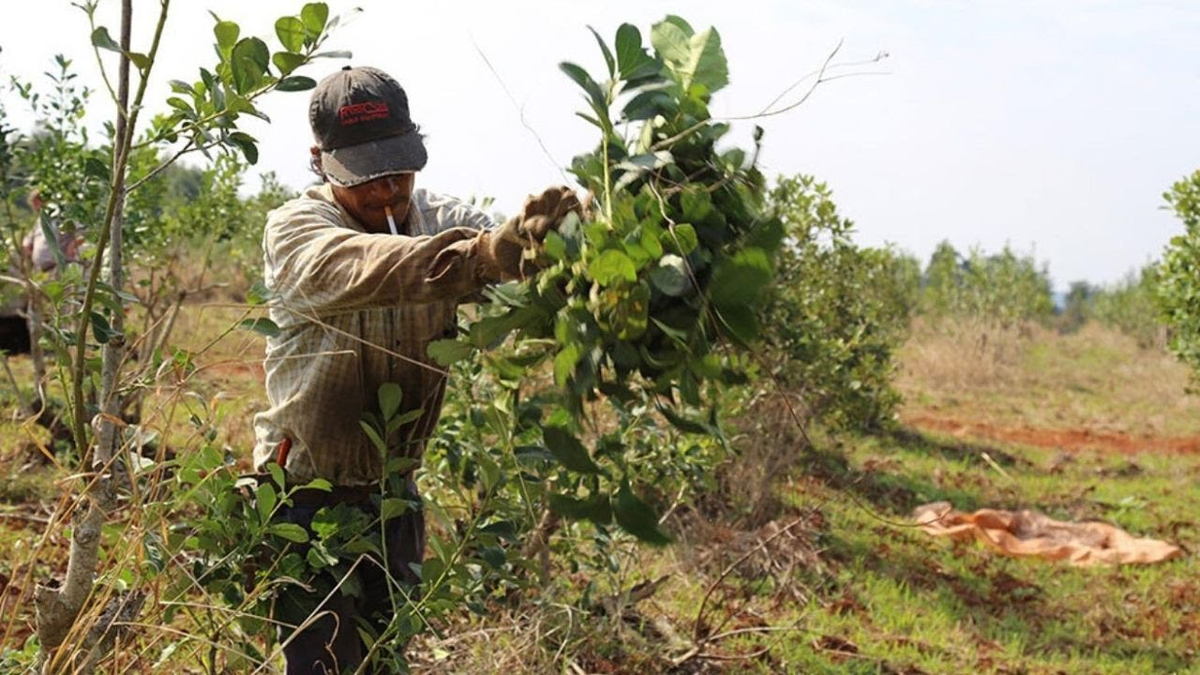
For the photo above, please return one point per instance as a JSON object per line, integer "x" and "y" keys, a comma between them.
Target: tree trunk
{"x": 58, "y": 608}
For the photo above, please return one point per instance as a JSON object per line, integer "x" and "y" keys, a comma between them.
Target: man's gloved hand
{"x": 503, "y": 251}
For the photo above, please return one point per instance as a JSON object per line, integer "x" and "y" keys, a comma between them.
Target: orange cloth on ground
{"x": 1030, "y": 533}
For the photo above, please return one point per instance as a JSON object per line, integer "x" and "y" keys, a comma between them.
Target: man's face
{"x": 367, "y": 202}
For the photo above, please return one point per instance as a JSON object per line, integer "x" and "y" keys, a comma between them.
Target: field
{"x": 812, "y": 564}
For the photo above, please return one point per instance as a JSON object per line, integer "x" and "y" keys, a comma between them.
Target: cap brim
{"x": 357, "y": 164}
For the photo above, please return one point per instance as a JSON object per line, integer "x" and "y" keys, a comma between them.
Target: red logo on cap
{"x": 362, "y": 112}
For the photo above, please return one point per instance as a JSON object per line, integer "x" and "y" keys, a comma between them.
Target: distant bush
{"x": 1130, "y": 306}
{"x": 1179, "y": 274}
{"x": 1003, "y": 288}
{"x": 838, "y": 311}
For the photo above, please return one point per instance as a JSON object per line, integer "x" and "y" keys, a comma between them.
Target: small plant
{"x": 837, "y": 312}
{"x": 80, "y": 618}
{"x": 1179, "y": 273}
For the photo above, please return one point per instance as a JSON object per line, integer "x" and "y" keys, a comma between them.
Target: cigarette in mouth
{"x": 391, "y": 220}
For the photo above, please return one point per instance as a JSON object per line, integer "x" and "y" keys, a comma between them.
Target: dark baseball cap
{"x": 360, "y": 119}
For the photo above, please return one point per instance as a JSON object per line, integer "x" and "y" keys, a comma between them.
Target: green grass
{"x": 887, "y": 598}
{"x": 858, "y": 589}
{"x": 944, "y": 607}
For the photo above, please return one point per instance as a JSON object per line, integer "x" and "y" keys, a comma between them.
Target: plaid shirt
{"x": 357, "y": 310}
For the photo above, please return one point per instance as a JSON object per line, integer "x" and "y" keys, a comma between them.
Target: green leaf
{"x": 670, "y": 276}
{"x": 139, "y": 60}
{"x": 706, "y": 65}
{"x": 394, "y": 506}
{"x": 247, "y": 144}
{"x": 594, "y": 92}
{"x": 608, "y": 57}
{"x": 489, "y": 331}
{"x": 291, "y": 33}
{"x": 697, "y": 204}
{"x": 181, "y": 87}
{"x": 401, "y": 465}
{"x": 277, "y": 475}
{"x": 694, "y": 58}
{"x": 493, "y": 556}
{"x": 258, "y": 293}
{"x": 591, "y": 120}
{"x": 610, "y": 267}
{"x": 490, "y": 471}
{"x": 226, "y": 33}
{"x": 637, "y": 517}
{"x": 595, "y": 508}
{"x": 373, "y": 436}
{"x": 647, "y": 104}
{"x": 682, "y": 423}
{"x": 314, "y": 15}
{"x": 102, "y": 40}
{"x": 632, "y": 60}
{"x": 400, "y": 420}
{"x": 290, "y": 531}
{"x": 319, "y": 484}
{"x": 449, "y": 351}
{"x": 286, "y": 62}
{"x": 249, "y": 62}
{"x": 564, "y": 363}
{"x": 671, "y": 40}
{"x": 683, "y": 236}
{"x": 95, "y": 168}
{"x": 260, "y": 325}
{"x": 555, "y": 246}
{"x": 568, "y": 450}
{"x": 740, "y": 322}
{"x": 265, "y": 499}
{"x": 296, "y": 83}
{"x": 740, "y": 279}
{"x": 639, "y": 164}
{"x": 318, "y": 557}
{"x": 389, "y": 399}
{"x": 101, "y": 329}
{"x": 431, "y": 570}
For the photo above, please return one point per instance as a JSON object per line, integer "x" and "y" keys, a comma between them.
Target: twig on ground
{"x": 729, "y": 570}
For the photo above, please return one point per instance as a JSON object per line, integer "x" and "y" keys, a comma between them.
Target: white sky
{"x": 1054, "y": 126}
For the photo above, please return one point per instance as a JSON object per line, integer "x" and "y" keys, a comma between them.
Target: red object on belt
{"x": 282, "y": 450}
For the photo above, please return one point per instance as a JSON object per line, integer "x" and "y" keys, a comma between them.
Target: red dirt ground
{"x": 1060, "y": 439}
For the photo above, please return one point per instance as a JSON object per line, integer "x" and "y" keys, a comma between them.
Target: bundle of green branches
{"x": 647, "y": 300}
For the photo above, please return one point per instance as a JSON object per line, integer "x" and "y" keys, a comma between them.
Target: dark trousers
{"x": 330, "y": 644}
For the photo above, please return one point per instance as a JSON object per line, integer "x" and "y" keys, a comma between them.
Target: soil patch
{"x": 1071, "y": 440}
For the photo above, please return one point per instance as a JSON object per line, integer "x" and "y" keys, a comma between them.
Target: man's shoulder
{"x": 316, "y": 200}
{"x": 445, "y": 211}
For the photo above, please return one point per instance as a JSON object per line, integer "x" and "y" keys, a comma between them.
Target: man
{"x": 365, "y": 271}
{"x": 38, "y": 249}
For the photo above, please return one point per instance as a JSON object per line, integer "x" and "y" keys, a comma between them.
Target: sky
{"x": 1051, "y": 126}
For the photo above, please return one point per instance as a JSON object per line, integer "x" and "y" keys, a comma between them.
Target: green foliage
{"x": 205, "y": 112}
{"x": 1076, "y": 306}
{"x": 1003, "y": 288}
{"x": 59, "y": 158}
{"x": 638, "y": 299}
{"x": 1179, "y": 273}
{"x": 1130, "y": 306}
{"x": 98, "y": 189}
{"x": 837, "y": 311}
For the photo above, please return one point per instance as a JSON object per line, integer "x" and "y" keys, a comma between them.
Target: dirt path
{"x": 1059, "y": 439}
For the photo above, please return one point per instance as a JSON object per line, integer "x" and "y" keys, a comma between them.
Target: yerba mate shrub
{"x": 648, "y": 302}
{"x": 1179, "y": 274}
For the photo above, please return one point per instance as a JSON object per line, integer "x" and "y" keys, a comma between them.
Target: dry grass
{"x": 1096, "y": 379}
